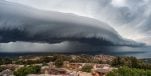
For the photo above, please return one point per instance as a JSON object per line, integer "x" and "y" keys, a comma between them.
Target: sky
{"x": 122, "y": 22}
{"x": 130, "y": 18}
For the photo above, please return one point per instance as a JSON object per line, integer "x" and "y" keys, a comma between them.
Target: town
{"x": 70, "y": 65}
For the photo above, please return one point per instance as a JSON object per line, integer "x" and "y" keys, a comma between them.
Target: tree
{"x": 1, "y": 69}
{"x": 24, "y": 71}
{"x": 46, "y": 59}
{"x": 5, "y": 60}
{"x": 126, "y": 71}
{"x": 116, "y": 61}
{"x": 86, "y": 68}
{"x": 59, "y": 62}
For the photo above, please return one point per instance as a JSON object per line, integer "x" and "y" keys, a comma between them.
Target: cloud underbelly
{"x": 26, "y": 24}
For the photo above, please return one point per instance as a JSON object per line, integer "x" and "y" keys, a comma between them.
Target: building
{"x": 104, "y": 58}
{"x": 101, "y": 66}
{"x": 45, "y": 75}
{"x": 101, "y": 69}
{"x": 84, "y": 74}
{"x": 75, "y": 66}
{"x": 53, "y": 71}
{"x": 101, "y": 72}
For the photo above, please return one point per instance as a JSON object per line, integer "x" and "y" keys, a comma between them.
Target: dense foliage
{"x": 1, "y": 69}
{"x": 130, "y": 62}
{"x": 59, "y": 63}
{"x": 24, "y": 71}
{"x": 25, "y": 60}
{"x": 86, "y": 68}
{"x": 132, "y": 65}
{"x": 125, "y": 71}
{"x": 5, "y": 60}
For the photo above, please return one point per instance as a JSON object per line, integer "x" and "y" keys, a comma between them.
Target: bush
{"x": 24, "y": 71}
{"x": 86, "y": 68}
{"x": 125, "y": 71}
{"x": 59, "y": 63}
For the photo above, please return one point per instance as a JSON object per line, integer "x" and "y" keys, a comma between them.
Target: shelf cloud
{"x": 22, "y": 26}
{"x": 131, "y": 18}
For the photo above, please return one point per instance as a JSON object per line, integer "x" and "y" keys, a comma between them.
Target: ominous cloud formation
{"x": 131, "y": 18}
{"x": 54, "y": 30}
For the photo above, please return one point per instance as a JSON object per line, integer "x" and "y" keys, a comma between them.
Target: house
{"x": 104, "y": 58}
{"x": 51, "y": 65}
{"x": 101, "y": 66}
{"x": 45, "y": 70}
{"x": 102, "y": 72}
{"x": 46, "y": 75}
{"x": 53, "y": 71}
{"x": 84, "y": 74}
{"x": 56, "y": 71}
{"x": 76, "y": 66}
{"x": 101, "y": 69}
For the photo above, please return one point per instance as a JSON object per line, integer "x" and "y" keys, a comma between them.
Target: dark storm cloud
{"x": 132, "y": 15}
{"x": 21, "y": 23}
